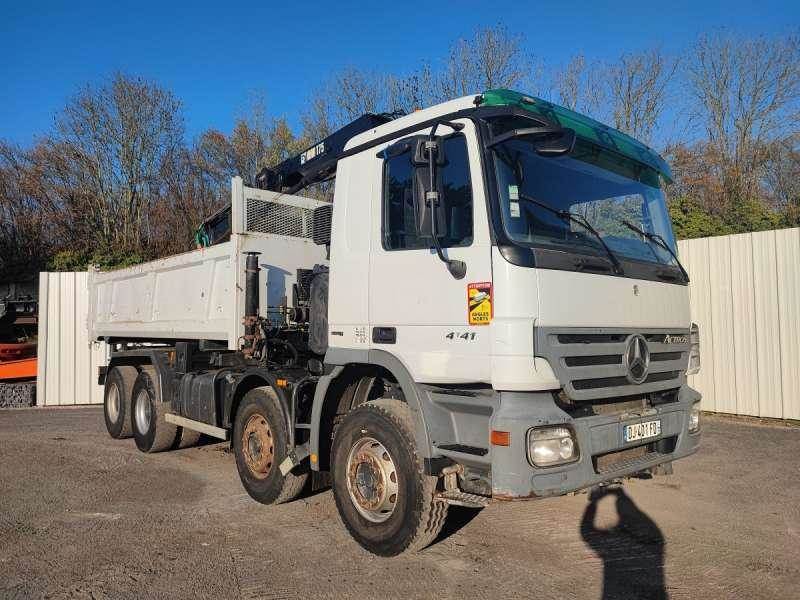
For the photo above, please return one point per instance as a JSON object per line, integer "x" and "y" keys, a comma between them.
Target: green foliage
{"x": 691, "y": 220}
{"x": 752, "y": 215}
{"x": 74, "y": 260}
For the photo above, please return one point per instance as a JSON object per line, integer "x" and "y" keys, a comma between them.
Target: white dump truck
{"x": 490, "y": 309}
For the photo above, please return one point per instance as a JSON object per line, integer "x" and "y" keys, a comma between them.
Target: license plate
{"x": 642, "y": 431}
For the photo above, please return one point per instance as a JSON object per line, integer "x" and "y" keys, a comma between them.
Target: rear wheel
{"x": 260, "y": 443}
{"x": 384, "y": 498}
{"x": 150, "y": 429}
{"x": 188, "y": 437}
{"x": 117, "y": 401}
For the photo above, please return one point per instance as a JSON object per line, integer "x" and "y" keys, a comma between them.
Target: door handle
{"x": 384, "y": 335}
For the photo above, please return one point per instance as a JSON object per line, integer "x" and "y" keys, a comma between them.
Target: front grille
{"x": 637, "y": 403}
{"x": 585, "y": 361}
{"x": 590, "y": 338}
{"x": 665, "y": 356}
{"x": 614, "y": 406}
{"x": 602, "y": 382}
{"x": 590, "y": 362}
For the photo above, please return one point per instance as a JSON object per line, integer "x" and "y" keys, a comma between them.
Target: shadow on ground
{"x": 632, "y": 551}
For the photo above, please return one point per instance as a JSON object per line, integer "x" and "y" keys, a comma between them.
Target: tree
{"x": 100, "y": 171}
{"x": 492, "y": 58}
{"x": 746, "y": 93}
{"x": 580, "y": 85}
{"x": 24, "y": 243}
{"x": 638, "y": 84}
{"x": 691, "y": 220}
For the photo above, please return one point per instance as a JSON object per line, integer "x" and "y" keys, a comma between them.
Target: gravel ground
{"x": 85, "y": 516}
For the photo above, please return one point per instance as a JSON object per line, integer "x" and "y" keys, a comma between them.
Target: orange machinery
{"x": 17, "y": 361}
{"x": 17, "y": 341}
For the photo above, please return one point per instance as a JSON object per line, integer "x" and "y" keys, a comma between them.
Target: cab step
{"x": 459, "y": 498}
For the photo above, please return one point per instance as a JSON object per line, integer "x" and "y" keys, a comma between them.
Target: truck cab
{"x": 494, "y": 310}
{"x": 558, "y": 359}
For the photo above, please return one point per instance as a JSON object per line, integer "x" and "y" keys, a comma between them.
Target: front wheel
{"x": 385, "y": 500}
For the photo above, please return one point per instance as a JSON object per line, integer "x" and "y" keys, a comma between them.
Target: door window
{"x": 399, "y": 225}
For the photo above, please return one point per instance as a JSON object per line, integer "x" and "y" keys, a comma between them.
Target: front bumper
{"x": 513, "y": 477}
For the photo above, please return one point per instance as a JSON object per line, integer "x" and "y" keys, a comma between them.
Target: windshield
{"x": 602, "y": 187}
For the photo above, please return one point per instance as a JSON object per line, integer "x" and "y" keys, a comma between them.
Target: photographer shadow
{"x": 632, "y": 551}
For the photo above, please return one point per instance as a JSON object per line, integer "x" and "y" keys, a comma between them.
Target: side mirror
{"x": 555, "y": 144}
{"x": 429, "y": 197}
{"x": 548, "y": 141}
{"x": 422, "y": 185}
{"x": 422, "y": 208}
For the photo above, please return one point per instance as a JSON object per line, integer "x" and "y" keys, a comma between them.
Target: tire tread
{"x": 430, "y": 518}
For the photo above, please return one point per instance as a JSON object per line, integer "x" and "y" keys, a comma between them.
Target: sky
{"x": 216, "y": 56}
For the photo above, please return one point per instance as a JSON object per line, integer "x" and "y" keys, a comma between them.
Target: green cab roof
{"x": 585, "y": 127}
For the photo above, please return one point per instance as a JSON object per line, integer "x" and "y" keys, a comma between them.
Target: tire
{"x": 365, "y": 438}
{"x": 187, "y": 437}
{"x": 151, "y": 431}
{"x": 117, "y": 401}
{"x": 260, "y": 444}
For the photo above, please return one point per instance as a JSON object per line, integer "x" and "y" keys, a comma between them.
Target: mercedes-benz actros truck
{"x": 490, "y": 309}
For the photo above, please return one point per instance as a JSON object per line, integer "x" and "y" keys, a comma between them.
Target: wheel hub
{"x": 143, "y": 412}
{"x": 372, "y": 480}
{"x": 113, "y": 403}
{"x": 258, "y": 446}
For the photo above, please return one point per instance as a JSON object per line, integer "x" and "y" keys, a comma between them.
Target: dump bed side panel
{"x": 190, "y": 295}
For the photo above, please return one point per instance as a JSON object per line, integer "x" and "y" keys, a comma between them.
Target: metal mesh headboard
{"x": 278, "y": 218}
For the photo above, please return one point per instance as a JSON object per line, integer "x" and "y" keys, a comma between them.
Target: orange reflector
{"x": 314, "y": 458}
{"x": 281, "y": 382}
{"x": 500, "y": 438}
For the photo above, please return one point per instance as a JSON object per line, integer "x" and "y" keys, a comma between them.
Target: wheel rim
{"x": 258, "y": 446}
{"x": 143, "y": 412}
{"x": 372, "y": 480}
{"x": 112, "y": 403}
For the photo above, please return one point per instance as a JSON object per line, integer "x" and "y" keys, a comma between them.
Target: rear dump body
{"x": 199, "y": 295}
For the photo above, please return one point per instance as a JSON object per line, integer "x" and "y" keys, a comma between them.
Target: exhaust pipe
{"x": 250, "y": 320}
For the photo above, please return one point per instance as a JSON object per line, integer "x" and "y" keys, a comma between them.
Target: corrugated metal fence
{"x": 67, "y": 362}
{"x": 745, "y": 295}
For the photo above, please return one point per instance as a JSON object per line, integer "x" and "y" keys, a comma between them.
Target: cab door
{"x": 417, "y": 310}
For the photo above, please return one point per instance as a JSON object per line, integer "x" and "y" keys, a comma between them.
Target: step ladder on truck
{"x": 490, "y": 309}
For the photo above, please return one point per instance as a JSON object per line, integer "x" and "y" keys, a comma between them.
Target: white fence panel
{"x": 68, "y": 362}
{"x": 745, "y": 295}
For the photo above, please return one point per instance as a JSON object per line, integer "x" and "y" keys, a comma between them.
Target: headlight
{"x": 694, "y": 418}
{"x": 694, "y": 350}
{"x": 550, "y": 446}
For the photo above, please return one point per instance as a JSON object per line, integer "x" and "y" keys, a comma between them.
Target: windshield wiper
{"x": 657, "y": 239}
{"x": 580, "y": 220}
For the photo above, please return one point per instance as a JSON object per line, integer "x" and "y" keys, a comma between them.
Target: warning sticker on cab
{"x": 479, "y": 303}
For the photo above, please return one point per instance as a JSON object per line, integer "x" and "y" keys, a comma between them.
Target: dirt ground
{"x": 85, "y": 516}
